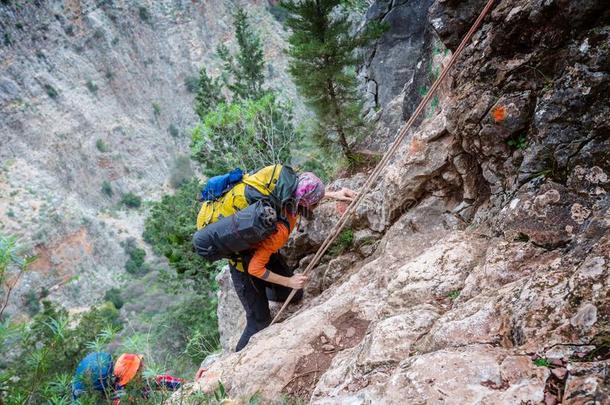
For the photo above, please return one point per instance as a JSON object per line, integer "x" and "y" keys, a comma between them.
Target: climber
{"x": 97, "y": 374}
{"x": 261, "y": 274}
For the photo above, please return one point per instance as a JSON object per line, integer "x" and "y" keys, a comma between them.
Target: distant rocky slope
{"x": 480, "y": 264}
{"x": 93, "y": 97}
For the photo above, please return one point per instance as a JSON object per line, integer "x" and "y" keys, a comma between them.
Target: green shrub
{"x": 518, "y": 141}
{"x": 11, "y": 257}
{"x": 144, "y": 14}
{"x": 156, "y": 109}
{"x": 342, "y": 243}
{"x": 453, "y": 295}
{"x": 247, "y": 134}
{"x": 135, "y": 264}
{"x": 92, "y": 87}
{"x": 130, "y": 200}
{"x": 101, "y": 146}
{"x": 542, "y": 362}
{"x": 31, "y": 302}
{"x": 191, "y": 83}
{"x": 51, "y": 92}
{"x": 107, "y": 188}
{"x": 169, "y": 229}
{"x": 191, "y": 325}
{"x": 173, "y": 130}
{"x": 114, "y": 295}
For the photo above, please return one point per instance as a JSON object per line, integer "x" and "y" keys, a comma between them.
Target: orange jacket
{"x": 269, "y": 246}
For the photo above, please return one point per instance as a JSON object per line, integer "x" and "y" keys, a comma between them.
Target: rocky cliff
{"x": 479, "y": 270}
{"x": 95, "y": 103}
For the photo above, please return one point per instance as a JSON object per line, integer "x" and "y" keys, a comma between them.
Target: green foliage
{"x": 144, "y": 14}
{"x": 191, "y": 325}
{"x": 51, "y": 92}
{"x": 169, "y": 229}
{"x": 92, "y": 86}
{"x": 114, "y": 295}
{"x": 12, "y": 258}
{"x": 434, "y": 103}
{"x": 135, "y": 263}
{"x": 48, "y": 350}
{"x": 130, "y": 200}
{"x": 101, "y": 146}
{"x": 453, "y": 294}
{"x": 191, "y": 83}
{"x": 343, "y": 242}
{"x": 244, "y": 72}
{"x": 181, "y": 171}
{"x": 323, "y": 58}
{"x": 209, "y": 94}
{"x": 247, "y": 134}
{"x": 156, "y": 109}
{"x": 107, "y": 188}
{"x": 220, "y": 393}
{"x": 31, "y": 302}
{"x": 542, "y": 362}
{"x": 173, "y": 130}
{"x": 518, "y": 141}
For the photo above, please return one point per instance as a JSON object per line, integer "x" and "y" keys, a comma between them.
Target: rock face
{"x": 490, "y": 282}
{"x": 400, "y": 66}
{"x": 231, "y": 314}
{"x": 94, "y": 103}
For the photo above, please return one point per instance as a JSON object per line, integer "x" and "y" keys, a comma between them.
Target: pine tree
{"x": 323, "y": 59}
{"x": 254, "y": 127}
{"x": 244, "y": 72}
{"x": 209, "y": 94}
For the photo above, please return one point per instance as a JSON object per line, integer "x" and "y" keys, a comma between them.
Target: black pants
{"x": 255, "y": 294}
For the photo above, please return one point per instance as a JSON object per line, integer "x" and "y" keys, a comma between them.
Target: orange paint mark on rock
{"x": 499, "y": 113}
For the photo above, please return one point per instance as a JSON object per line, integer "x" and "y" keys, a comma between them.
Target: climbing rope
{"x": 386, "y": 158}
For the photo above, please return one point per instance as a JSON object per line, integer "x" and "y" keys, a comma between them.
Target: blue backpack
{"x": 94, "y": 372}
{"x": 217, "y": 186}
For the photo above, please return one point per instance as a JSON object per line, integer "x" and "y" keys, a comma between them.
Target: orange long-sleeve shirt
{"x": 269, "y": 246}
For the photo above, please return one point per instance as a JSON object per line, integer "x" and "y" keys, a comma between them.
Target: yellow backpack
{"x": 276, "y": 182}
